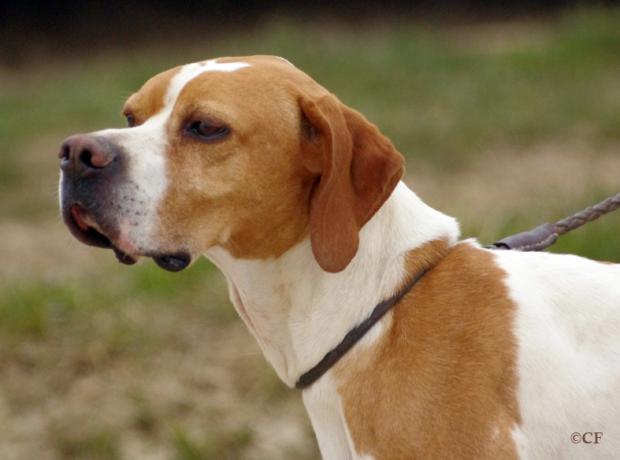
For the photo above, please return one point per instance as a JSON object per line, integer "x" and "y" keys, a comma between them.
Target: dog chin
{"x": 173, "y": 262}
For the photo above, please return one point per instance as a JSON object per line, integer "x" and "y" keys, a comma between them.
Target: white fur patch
{"x": 190, "y": 71}
{"x": 568, "y": 333}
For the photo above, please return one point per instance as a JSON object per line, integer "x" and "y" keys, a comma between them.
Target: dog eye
{"x": 207, "y": 131}
{"x": 131, "y": 120}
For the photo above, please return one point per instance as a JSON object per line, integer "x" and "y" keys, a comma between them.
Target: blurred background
{"x": 508, "y": 114}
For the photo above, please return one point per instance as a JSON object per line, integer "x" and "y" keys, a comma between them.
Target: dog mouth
{"x": 89, "y": 231}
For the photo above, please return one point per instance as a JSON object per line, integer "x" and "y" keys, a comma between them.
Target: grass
{"x": 228, "y": 445}
{"x": 102, "y": 445}
{"x": 445, "y": 96}
{"x": 439, "y": 95}
{"x": 38, "y": 306}
{"x": 436, "y": 97}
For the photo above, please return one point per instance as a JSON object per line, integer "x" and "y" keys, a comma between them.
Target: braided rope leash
{"x": 545, "y": 235}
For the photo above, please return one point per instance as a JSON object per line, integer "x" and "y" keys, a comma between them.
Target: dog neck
{"x": 298, "y": 312}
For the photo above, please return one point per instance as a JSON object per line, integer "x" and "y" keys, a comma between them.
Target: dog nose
{"x": 85, "y": 155}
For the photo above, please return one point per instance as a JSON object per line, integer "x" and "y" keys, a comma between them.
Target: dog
{"x": 407, "y": 342}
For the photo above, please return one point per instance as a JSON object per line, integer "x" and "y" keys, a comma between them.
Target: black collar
{"x": 355, "y": 334}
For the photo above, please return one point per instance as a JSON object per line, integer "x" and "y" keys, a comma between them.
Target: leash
{"x": 536, "y": 239}
{"x": 355, "y": 334}
{"x": 545, "y": 235}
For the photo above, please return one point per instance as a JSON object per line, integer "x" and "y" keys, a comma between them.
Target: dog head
{"x": 249, "y": 154}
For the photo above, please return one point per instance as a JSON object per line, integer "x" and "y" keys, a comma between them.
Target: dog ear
{"x": 357, "y": 170}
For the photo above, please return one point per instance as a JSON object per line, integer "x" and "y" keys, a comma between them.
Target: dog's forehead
{"x": 190, "y": 72}
{"x": 164, "y": 89}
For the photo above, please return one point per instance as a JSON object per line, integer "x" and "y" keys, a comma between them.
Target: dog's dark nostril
{"x": 86, "y": 157}
{"x": 64, "y": 152}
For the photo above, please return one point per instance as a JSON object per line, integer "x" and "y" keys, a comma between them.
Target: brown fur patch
{"x": 442, "y": 377}
{"x": 150, "y": 98}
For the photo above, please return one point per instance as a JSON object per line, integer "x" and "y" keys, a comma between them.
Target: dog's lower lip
{"x": 76, "y": 219}
{"x": 77, "y": 212}
{"x": 86, "y": 229}
{"x": 173, "y": 262}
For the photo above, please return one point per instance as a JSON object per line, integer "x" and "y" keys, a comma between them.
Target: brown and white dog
{"x": 298, "y": 200}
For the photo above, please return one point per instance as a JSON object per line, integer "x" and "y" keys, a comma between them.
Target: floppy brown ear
{"x": 358, "y": 169}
